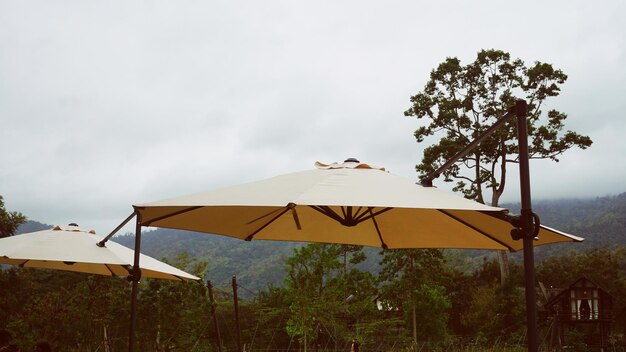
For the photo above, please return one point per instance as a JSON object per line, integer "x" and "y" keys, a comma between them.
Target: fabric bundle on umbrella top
{"x": 72, "y": 249}
{"x": 346, "y": 203}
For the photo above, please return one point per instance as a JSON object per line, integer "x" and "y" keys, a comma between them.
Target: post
{"x": 527, "y": 226}
{"x": 217, "y": 327}
{"x": 135, "y": 276}
{"x": 236, "y": 303}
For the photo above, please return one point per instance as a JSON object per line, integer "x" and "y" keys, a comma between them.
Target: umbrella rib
{"x": 109, "y": 269}
{"x": 476, "y": 229}
{"x": 380, "y": 236}
{"x": 360, "y": 213}
{"x": 159, "y": 218}
{"x": 328, "y": 212}
{"x": 287, "y": 208}
{"x": 263, "y": 216}
{"x": 372, "y": 214}
{"x": 349, "y": 219}
{"x": 346, "y": 213}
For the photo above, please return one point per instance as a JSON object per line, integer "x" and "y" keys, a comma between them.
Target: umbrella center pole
{"x": 134, "y": 277}
{"x": 527, "y": 226}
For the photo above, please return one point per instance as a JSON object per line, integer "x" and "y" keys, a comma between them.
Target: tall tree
{"x": 328, "y": 299}
{"x": 312, "y": 273}
{"x": 409, "y": 277}
{"x": 9, "y": 221}
{"x": 460, "y": 102}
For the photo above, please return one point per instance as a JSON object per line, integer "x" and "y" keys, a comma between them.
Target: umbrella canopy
{"x": 73, "y": 249}
{"x": 348, "y": 203}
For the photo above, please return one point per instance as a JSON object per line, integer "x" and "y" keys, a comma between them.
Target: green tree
{"x": 433, "y": 301}
{"x": 170, "y": 310}
{"x": 272, "y": 313}
{"x": 404, "y": 272}
{"x": 9, "y": 221}
{"x": 312, "y": 273}
{"x": 328, "y": 298}
{"x": 460, "y": 102}
{"x": 494, "y": 310}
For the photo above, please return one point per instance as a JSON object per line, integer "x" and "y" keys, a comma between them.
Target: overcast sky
{"x": 105, "y": 104}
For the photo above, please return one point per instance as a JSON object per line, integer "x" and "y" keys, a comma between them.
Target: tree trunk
{"x": 106, "y": 340}
{"x": 503, "y": 257}
{"x": 414, "y": 325}
{"x": 505, "y": 269}
{"x": 158, "y": 337}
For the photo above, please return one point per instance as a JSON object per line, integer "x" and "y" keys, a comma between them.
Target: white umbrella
{"x": 355, "y": 203}
{"x": 73, "y": 249}
{"x": 349, "y": 203}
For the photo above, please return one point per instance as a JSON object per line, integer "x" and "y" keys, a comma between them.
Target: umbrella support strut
{"x": 527, "y": 223}
{"x": 104, "y": 240}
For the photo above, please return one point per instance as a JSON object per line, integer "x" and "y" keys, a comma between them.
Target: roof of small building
{"x": 552, "y": 301}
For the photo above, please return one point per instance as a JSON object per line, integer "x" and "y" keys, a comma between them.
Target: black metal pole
{"x": 527, "y": 226}
{"x": 102, "y": 243}
{"x": 135, "y": 276}
{"x": 217, "y": 327}
{"x": 427, "y": 180}
{"x": 235, "y": 300}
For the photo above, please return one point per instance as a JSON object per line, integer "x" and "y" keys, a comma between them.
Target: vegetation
{"x": 322, "y": 305}
{"x": 9, "y": 221}
{"x": 332, "y": 293}
{"x": 461, "y": 102}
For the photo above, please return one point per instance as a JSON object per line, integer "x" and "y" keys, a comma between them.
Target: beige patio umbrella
{"x": 347, "y": 203}
{"x": 72, "y": 249}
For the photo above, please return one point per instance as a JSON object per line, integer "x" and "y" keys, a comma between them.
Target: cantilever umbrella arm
{"x": 527, "y": 224}
{"x": 104, "y": 240}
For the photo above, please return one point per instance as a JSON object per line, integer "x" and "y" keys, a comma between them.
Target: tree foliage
{"x": 460, "y": 102}
{"x": 328, "y": 299}
{"x": 72, "y": 310}
{"x": 409, "y": 278}
{"x": 9, "y": 220}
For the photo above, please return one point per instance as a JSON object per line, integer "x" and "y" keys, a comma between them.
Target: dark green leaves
{"x": 9, "y": 221}
{"x": 460, "y": 102}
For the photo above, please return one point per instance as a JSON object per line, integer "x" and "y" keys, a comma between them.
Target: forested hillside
{"x": 602, "y": 221}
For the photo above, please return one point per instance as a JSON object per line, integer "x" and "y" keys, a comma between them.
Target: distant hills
{"x": 601, "y": 221}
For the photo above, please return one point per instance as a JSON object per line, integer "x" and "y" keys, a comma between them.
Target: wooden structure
{"x": 584, "y": 309}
